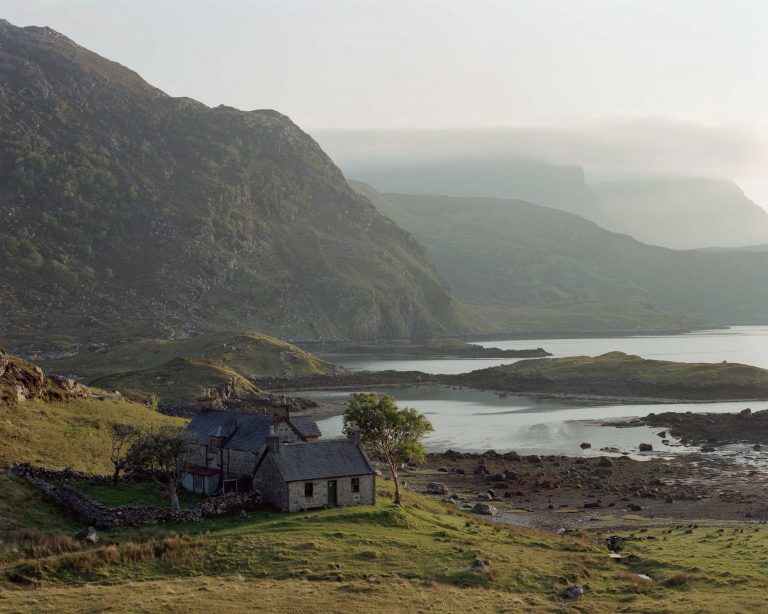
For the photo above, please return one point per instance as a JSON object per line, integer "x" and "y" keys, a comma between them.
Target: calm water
{"x": 744, "y": 344}
{"x": 474, "y": 420}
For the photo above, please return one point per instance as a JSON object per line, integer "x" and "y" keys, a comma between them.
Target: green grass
{"x": 69, "y": 434}
{"x": 616, "y": 373}
{"x": 378, "y": 558}
{"x": 383, "y": 558}
{"x": 179, "y": 370}
{"x": 128, "y": 492}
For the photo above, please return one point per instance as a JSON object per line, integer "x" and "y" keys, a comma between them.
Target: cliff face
{"x": 127, "y": 210}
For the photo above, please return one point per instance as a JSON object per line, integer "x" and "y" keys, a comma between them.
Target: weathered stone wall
{"x": 298, "y": 502}
{"x": 366, "y": 496}
{"x": 101, "y": 516}
{"x": 239, "y": 462}
{"x": 344, "y": 495}
{"x": 267, "y": 480}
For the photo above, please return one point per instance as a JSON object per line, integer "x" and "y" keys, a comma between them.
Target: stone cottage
{"x": 227, "y": 445}
{"x": 299, "y": 476}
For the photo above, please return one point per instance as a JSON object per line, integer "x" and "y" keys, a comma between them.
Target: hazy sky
{"x": 456, "y": 64}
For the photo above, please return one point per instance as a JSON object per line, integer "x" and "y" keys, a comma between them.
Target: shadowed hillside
{"x": 509, "y": 256}
{"x": 126, "y": 210}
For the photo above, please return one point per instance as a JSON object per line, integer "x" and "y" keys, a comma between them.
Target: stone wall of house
{"x": 101, "y": 516}
{"x": 267, "y": 480}
{"x": 198, "y": 455}
{"x": 366, "y": 495}
{"x": 344, "y": 495}
{"x": 298, "y": 502}
{"x": 285, "y": 433}
{"x": 240, "y": 462}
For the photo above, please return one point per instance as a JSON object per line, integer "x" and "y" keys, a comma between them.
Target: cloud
{"x": 611, "y": 149}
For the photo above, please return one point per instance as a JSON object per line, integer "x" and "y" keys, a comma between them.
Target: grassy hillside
{"x": 129, "y": 212}
{"x": 620, "y": 374}
{"x": 379, "y": 558}
{"x": 501, "y": 255}
{"x": 179, "y": 370}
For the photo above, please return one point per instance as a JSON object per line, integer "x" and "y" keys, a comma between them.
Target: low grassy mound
{"x": 619, "y": 374}
{"x": 453, "y": 348}
{"x": 180, "y": 370}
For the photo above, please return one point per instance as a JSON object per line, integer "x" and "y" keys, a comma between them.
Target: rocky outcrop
{"x": 21, "y": 381}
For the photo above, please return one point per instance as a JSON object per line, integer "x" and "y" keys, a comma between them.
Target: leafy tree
{"x": 121, "y": 436}
{"x": 166, "y": 455}
{"x": 392, "y": 433}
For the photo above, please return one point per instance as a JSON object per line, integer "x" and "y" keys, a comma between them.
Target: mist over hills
{"x": 668, "y": 202}
{"x": 507, "y": 256}
{"x": 685, "y": 213}
{"x": 127, "y": 210}
{"x": 560, "y": 187}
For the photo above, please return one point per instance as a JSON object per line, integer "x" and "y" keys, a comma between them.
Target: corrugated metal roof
{"x": 315, "y": 460}
{"x": 243, "y": 431}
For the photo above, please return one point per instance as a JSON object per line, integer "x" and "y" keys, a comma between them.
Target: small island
{"x": 617, "y": 374}
{"x": 441, "y": 348}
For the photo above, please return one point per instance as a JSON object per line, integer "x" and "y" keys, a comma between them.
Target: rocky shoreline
{"x": 708, "y": 428}
{"x": 557, "y": 492}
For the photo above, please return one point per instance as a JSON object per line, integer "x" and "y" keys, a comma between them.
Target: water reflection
{"x": 744, "y": 344}
{"x": 474, "y": 420}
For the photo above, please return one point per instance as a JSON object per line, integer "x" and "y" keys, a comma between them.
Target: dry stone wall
{"x": 103, "y": 517}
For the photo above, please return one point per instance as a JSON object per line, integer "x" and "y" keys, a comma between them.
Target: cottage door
{"x": 332, "y": 493}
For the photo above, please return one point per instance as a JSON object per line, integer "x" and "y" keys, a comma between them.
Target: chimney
{"x": 280, "y": 407}
{"x": 353, "y": 433}
{"x": 273, "y": 441}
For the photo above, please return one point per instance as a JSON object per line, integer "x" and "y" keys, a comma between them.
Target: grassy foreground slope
{"x": 179, "y": 370}
{"x": 620, "y": 374}
{"x": 377, "y": 559}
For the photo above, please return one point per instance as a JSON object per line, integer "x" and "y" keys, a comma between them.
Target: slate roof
{"x": 306, "y": 426}
{"x": 244, "y": 431}
{"x": 315, "y": 460}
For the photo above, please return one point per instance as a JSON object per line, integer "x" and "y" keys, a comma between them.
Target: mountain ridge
{"x": 519, "y": 256}
{"x": 128, "y": 209}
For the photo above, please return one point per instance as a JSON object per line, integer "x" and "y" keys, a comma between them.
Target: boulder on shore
{"x": 436, "y": 488}
{"x": 486, "y": 509}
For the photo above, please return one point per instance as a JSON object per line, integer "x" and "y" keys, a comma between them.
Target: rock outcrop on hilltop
{"x": 21, "y": 381}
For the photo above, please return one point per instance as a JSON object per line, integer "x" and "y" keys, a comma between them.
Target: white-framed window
{"x": 197, "y": 483}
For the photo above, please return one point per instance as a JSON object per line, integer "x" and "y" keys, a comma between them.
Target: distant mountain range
{"x": 126, "y": 211}
{"x": 675, "y": 212}
{"x": 684, "y": 213}
{"x": 540, "y": 268}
